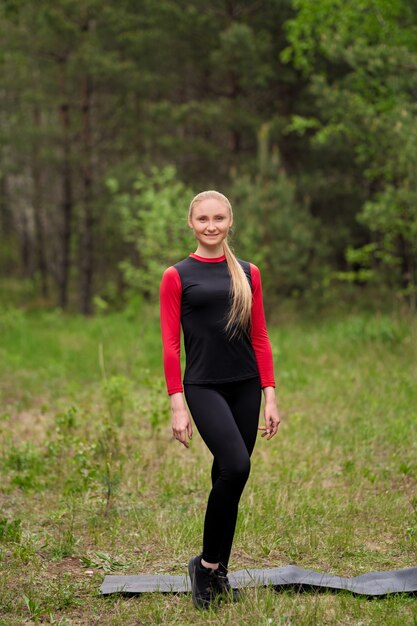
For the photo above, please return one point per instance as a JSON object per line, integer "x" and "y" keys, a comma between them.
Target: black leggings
{"x": 226, "y": 416}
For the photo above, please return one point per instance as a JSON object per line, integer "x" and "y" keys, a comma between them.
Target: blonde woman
{"x": 217, "y": 299}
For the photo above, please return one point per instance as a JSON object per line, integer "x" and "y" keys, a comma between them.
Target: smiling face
{"x": 210, "y": 219}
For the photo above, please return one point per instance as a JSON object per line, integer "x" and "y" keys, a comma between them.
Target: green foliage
{"x": 10, "y": 530}
{"x": 330, "y": 29}
{"x": 276, "y": 232}
{"x": 27, "y": 465}
{"x": 333, "y": 83}
{"x": 67, "y": 421}
{"x": 358, "y": 55}
{"x": 109, "y": 457}
{"x": 34, "y": 608}
{"x": 153, "y": 216}
{"x": 117, "y": 394}
{"x": 156, "y": 410}
{"x": 11, "y": 319}
{"x": 243, "y": 53}
{"x": 65, "y": 544}
{"x": 60, "y": 595}
{"x": 104, "y": 561}
{"x": 274, "y": 227}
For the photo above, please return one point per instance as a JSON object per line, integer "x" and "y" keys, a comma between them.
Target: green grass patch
{"x": 92, "y": 481}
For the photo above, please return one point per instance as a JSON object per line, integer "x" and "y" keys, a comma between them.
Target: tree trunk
{"x": 25, "y": 245}
{"x": 407, "y": 271}
{"x": 40, "y": 252}
{"x": 87, "y": 217}
{"x": 6, "y": 224}
{"x": 67, "y": 194}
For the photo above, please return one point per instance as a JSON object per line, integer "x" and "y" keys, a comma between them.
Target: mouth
{"x": 213, "y": 235}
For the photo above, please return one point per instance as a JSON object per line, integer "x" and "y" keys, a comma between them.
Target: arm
{"x": 170, "y": 318}
{"x": 263, "y": 353}
{"x": 259, "y": 334}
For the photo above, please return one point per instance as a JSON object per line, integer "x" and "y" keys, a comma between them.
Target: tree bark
{"x": 40, "y": 250}
{"x": 87, "y": 217}
{"x": 25, "y": 255}
{"x": 67, "y": 191}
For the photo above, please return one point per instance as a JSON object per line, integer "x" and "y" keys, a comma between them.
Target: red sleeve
{"x": 170, "y": 318}
{"x": 259, "y": 334}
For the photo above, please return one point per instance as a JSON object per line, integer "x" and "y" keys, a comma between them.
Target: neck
{"x": 210, "y": 253}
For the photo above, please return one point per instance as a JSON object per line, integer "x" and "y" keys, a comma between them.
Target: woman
{"x": 217, "y": 299}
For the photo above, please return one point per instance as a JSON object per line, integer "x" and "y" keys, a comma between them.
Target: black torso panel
{"x": 211, "y": 355}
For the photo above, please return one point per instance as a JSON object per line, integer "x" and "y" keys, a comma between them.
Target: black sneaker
{"x": 223, "y": 585}
{"x": 204, "y": 583}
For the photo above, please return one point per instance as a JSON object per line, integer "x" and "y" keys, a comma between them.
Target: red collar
{"x": 205, "y": 259}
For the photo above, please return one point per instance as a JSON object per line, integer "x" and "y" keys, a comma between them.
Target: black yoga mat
{"x": 370, "y": 584}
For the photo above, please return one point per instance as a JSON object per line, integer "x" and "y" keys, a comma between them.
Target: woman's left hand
{"x": 272, "y": 420}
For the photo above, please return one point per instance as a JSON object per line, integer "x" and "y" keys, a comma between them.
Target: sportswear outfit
{"x": 222, "y": 381}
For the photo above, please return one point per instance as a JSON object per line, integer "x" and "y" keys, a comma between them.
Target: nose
{"x": 211, "y": 227}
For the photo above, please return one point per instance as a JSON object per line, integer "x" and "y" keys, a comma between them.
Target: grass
{"x": 93, "y": 483}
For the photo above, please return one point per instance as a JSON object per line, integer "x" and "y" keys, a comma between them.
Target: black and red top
{"x": 194, "y": 294}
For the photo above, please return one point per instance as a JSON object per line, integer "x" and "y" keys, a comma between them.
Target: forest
{"x": 113, "y": 115}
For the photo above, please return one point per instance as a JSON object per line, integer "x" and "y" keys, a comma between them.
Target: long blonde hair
{"x": 239, "y": 317}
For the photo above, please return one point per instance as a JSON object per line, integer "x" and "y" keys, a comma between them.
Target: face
{"x": 210, "y": 221}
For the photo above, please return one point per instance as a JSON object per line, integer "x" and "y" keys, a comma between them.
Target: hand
{"x": 272, "y": 420}
{"x": 181, "y": 426}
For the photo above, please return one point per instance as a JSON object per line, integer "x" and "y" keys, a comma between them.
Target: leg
{"x": 245, "y": 400}
{"x": 215, "y": 471}
{"x": 217, "y": 427}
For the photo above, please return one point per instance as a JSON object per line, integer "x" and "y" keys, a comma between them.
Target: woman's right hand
{"x": 181, "y": 423}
